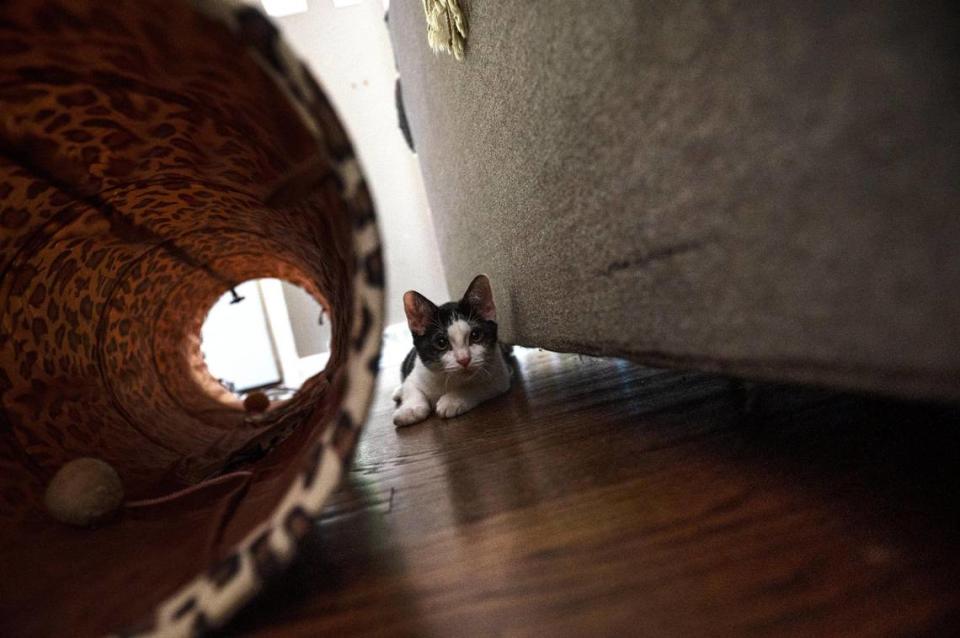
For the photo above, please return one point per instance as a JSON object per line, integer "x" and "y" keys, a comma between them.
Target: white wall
{"x": 349, "y": 51}
{"x": 237, "y": 343}
{"x": 309, "y": 336}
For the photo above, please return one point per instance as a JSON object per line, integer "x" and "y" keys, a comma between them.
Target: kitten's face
{"x": 456, "y": 341}
{"x": 457, "y": 337}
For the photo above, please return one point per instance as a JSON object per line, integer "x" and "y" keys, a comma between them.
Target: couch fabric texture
{"x": 763, "y": 189}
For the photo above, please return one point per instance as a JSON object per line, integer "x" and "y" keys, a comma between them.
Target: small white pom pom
{"x": 83, "y": 492}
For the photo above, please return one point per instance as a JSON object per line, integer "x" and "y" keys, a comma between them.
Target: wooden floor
{"x": 600, "y": 498}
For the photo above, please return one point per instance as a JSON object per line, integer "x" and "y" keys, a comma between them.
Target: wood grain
{"x": 603, "y": 498}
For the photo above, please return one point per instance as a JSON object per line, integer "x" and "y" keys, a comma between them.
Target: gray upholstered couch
{"x": 770, "y": 189}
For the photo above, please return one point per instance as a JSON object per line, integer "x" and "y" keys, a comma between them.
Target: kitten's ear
{"x": 419, "y": 310}
{"x": 479, "y": 297}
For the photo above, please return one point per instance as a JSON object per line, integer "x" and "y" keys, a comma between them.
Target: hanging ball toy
{"x": 256, "y": 402}
{"x": 84, "y": 492}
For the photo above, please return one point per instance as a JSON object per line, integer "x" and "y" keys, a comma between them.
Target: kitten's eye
{"x": 475, "y": 334}
{"x": 440, "y": 342}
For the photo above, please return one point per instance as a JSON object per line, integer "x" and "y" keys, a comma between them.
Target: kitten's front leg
{"x": 454, "y": 404}
{"x": 414, "y": 407}
{"x": 458, "y": 401}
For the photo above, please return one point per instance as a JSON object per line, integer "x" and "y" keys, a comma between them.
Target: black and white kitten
{"x": 456, "y": 362}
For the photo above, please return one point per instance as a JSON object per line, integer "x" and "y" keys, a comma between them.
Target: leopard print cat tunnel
{"x": 152, "y": 156}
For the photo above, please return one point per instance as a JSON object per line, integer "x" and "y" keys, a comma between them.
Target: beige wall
{"x": 309, "y": 335}
{"x": 349, "y": 52}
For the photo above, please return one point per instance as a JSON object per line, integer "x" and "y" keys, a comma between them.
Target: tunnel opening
{"x": 265, "y": 336}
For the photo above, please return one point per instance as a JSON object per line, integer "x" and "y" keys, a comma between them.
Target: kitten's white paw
{"x": 411, "y": 413}
{"x": 450, "y": 406}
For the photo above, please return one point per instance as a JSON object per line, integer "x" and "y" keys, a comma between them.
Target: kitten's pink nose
{"x": 464, "y": 360}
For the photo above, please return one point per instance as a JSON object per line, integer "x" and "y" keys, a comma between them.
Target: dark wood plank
{"x": 604, "y": 498}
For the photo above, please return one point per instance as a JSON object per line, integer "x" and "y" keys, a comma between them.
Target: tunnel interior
{"x": 142, "y": 151}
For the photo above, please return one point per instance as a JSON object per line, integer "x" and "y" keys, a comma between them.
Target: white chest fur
{"x": 452, "y": 390}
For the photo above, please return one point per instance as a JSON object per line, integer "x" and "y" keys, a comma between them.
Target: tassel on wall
{"x": 446, "y": 26}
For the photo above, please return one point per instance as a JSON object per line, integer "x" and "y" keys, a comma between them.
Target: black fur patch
{"x": 408, "y": 362}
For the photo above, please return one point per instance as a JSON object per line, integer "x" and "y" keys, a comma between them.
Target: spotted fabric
{"x": 140, "y": 144}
